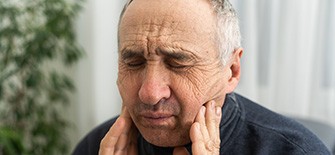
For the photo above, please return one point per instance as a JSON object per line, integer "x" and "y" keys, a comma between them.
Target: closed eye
{"x": 132, "y": 59}
{"x": 177, "y": 60}
{"x": 175, "y": 65}
{"x": 135, "y": 62}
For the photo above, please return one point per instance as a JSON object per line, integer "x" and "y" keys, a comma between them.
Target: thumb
{"x": 180, "y": 151}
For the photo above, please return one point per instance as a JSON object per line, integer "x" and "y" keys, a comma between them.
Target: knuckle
{"x": 210, "y": 146}
{"x": 213, "y": 146}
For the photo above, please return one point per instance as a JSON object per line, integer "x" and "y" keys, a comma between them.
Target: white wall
{"x": 97, "y": 98}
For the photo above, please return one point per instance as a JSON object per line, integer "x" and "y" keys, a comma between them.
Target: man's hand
{"x": 205, "y": 132}
{"x": 121, "y": 137}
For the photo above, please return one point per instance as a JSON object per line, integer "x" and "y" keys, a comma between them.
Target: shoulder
{"x": 91, "y": 142}
{"x": 275, "y": 132}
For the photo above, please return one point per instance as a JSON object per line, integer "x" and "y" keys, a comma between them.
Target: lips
{"x": 156, "y": 115}
{"x": 156, "y": 119}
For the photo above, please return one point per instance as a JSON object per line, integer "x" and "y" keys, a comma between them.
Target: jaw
{"x": 165, "y": 138}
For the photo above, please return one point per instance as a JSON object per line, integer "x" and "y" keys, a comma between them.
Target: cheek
{"x": 216, "y": 87}
{"x": 189, "y": 90}
{"x": 197, "y": 88}
{"x": 192, "y": 87}
{"x": 190, "y": 111}
{"x": 128, "y": 85}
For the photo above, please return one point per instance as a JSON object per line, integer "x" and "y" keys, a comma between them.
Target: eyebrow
{"x": 182, "y": 56}
{"x": 126, "y": 54}
{"x": 176, "y": 55}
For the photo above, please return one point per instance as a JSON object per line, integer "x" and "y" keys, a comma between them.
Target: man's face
{"x": 169, "y": 66}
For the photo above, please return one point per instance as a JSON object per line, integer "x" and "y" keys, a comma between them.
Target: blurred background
{"x": 287, "y": 66}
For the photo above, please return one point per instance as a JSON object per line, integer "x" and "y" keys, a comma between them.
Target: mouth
{"x": 157, "y": 119}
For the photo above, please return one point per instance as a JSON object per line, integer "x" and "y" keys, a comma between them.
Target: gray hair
{"x": 228, "y": 32}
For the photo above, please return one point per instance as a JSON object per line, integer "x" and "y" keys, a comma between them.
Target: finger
{"x": 216, "y": 133}
{"x": 195, "y": 133}
{"x": 119, "y": 136}
{"x": 180, "y": 151}
{"x": 198, "y": 141}
{"x": 211, "y": 118}
{"x": 108, "y": 143}
{"x": 202, "y": 123}
{"x": 207, "y": 138}
{"x": 125, "y": 114}
{"x": 218, "y": 114}
{"x": 128, "y": 134}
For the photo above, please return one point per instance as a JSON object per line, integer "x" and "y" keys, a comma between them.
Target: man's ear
{"x": 234, "y": 70}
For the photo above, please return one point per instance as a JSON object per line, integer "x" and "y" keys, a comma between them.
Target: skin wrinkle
{"x": 160, "y": 35}
{"x": 192, "y": 31}
{"x": 154, "y": 85}
{"x": 225, "y": 16}
{"x": 195, "y": 58}
{"x": 196, "y": 81}
{"x": 201, "y": 71}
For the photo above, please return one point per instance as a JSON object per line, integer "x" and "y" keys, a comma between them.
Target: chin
{"x": 163, "y": 138}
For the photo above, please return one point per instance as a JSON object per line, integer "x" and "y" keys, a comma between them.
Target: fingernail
{"x": 212, "y": 105}
{"x": 203, "y": 110}
{"x": 218, "y": 111}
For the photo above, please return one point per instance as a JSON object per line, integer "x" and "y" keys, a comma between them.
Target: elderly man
{"x": 179, "y": 62}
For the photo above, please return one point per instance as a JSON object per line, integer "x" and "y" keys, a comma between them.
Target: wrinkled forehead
{"x": 195, "y": 15}
{"x": 162, "y": 5}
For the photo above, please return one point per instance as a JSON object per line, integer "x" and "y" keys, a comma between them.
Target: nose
{"x": 154, "y": 86}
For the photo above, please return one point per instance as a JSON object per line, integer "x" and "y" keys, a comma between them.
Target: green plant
{"x": 37, "y": 45}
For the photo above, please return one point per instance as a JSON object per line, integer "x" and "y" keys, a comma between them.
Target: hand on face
{"x": 121, "y": 139}
{"x": 204, "y": 132}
